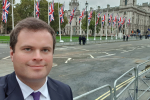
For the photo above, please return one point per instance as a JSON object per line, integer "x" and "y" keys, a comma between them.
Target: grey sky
{"x": 94, "y": 3}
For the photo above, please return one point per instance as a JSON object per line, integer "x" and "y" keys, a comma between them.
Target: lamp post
{"x": 86, "y": 4}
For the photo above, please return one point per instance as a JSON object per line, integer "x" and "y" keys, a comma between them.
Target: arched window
{"x": 125, "y": 2}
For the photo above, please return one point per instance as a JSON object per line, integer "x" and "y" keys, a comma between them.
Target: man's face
{"x": 33, "y": 55}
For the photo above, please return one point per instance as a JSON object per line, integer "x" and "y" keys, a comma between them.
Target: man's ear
{"x": 11, "y": 54}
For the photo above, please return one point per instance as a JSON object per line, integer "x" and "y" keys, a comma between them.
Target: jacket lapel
{"x": 13, "y": 91}
{"x": 53, "y": 90}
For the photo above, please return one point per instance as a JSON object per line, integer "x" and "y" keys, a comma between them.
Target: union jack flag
{"x": 6, "y": 6}
{"x": 119, "y": 21}
{"x": 89, "y": 17}
{"x": 61, "y": 14}
{"x": 123, "y": 21}
{"x": 37, "y": 7}
{"x": 51, "y": 11}
{"x": 98, "y": 15}
{"x": 72, "y": 14}
{"x": 81, "y": 15}
{"x": 110, "y": 19}
{"x": 103, "y": 19}
{"x": 115, "y": 20}
{"x": 128, "y": 21}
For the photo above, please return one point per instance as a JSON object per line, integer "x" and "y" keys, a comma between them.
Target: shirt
{"x": 26, "y": 91}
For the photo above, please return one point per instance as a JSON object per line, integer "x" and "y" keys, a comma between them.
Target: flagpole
{"x": 87, "y": 30}
{"x": 48, "y": 12}
{"x": 34, "y": 8}
{"x": 112, "y": 25}
{"x": 80, "y": 27}
{"x": 71, "y": 33}
{"x": 120, "y": 29}
{"x": 117, "y": 26}
{"x": 106, "y": 23}
{"x": 126, "y": 26}
{"x": 59, "y": 23}
{"x": 101, "y": 27}
{"x": 95, "y": 26}
{"x": 80, "y": 21}
{"x": 12, "y": 15}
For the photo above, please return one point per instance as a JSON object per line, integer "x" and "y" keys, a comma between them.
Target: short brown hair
{"x": 31, "y": 24}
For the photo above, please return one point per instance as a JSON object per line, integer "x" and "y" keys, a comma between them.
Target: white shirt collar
{"x": 26, "y": 90}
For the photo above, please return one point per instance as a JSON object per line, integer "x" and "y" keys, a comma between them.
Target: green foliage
{"x": 24, "y": 9}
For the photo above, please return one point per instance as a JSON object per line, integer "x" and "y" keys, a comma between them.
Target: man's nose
{"x": 37, "y": 56}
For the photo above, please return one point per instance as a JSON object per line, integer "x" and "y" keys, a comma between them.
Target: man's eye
{"x": 27, "y": 49}
{"x": 45, "y": 50}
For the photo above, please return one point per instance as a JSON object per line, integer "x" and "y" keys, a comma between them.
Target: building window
{"x": 124, "y": 13}
{"x": 125, "y": 2}
{"x": 76, "y": 23}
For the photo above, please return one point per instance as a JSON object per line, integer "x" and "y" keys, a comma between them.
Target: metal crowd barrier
{"x": 133, "y": 79}
{"x": 87, "y": 93}
{"x": 146, "y": 70}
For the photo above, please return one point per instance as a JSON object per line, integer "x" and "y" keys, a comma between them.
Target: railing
{"x": 133, "y": 80}
{"x": 139, "y": 74}
{"x": 92, "y": 91}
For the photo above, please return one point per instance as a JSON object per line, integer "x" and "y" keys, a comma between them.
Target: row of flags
{"x": 121, "y": 20}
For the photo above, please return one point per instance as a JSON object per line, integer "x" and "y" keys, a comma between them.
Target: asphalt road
{"x": 88, "y": 67}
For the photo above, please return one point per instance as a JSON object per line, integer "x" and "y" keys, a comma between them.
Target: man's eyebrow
{"x": 26, "y": 46}
{"x": 49, "y": 47}
{"x": 33, "y": 46}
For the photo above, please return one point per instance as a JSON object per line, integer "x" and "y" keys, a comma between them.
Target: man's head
{"x": 31, "y": 24}
{"x": 32, "y": 44}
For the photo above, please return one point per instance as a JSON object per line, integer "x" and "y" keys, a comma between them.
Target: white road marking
{"x": 106, "y": 55}
{"x": 139, "y": 48}
{"x": 131, "y": 50}
{"x": 124, "y": 51}
{"x": 125, "y": 45}
{"x": 91, "y": 56}
{"x": 68, "y": 60}
{"x": 6, "y": 57}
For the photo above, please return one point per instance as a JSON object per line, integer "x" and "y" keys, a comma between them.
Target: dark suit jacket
{"x": 10, "y": 90}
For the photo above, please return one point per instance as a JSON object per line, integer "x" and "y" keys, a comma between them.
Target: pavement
{"x": 6, "y": 66}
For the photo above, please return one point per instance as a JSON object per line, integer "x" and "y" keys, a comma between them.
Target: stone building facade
{"x": 139, "y": 15}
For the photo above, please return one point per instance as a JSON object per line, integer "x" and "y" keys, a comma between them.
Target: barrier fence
{"x": 135, "y": 88}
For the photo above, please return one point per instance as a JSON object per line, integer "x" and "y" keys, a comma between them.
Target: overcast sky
{"x": 94, "y": 3}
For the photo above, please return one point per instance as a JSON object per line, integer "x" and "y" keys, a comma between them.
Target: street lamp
{"x": 86, "y": 4}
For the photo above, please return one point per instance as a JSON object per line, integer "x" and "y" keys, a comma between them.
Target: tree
{"x": 92, "y": 24}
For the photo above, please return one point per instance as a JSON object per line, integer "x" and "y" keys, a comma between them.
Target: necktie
{"x": 36, "y": 95}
